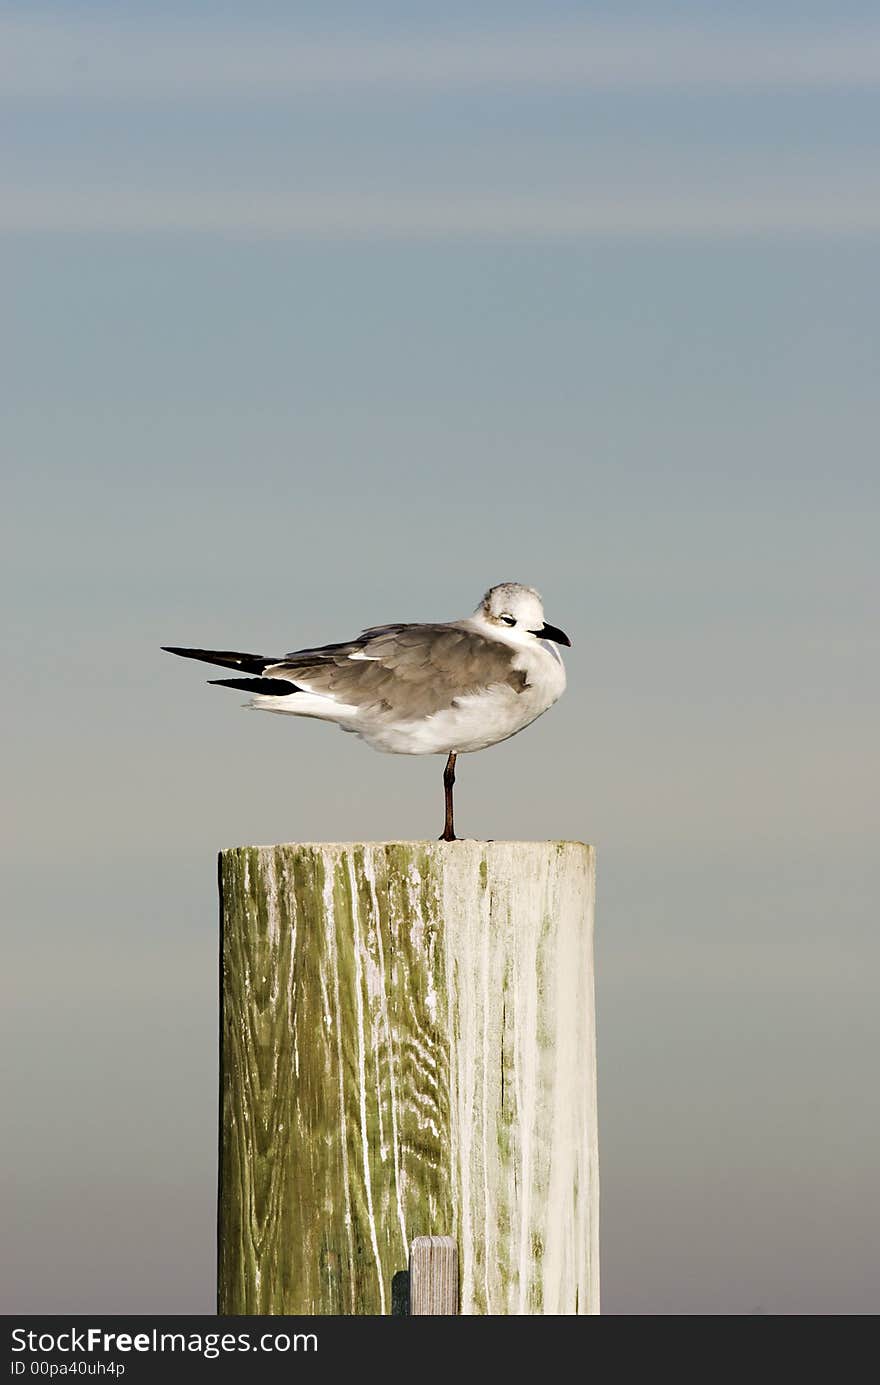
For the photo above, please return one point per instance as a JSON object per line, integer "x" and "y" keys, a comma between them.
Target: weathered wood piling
{"x": 407, "y": 1049}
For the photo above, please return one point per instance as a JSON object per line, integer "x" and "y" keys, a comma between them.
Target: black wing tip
{"x": 226, "y": 658}
{"x": 185, "y": 652}
{"x": 266, "y": 687}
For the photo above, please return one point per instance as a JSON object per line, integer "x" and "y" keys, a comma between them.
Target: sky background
{"x": 321, "y": 317}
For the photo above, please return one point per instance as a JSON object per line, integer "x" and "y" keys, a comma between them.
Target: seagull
{"x": 441, "y": 689}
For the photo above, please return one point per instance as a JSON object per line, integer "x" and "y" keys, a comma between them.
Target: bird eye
{"x": 509, "y": 620}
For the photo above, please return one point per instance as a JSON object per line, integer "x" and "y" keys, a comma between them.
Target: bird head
{"x": 512, "y": 607}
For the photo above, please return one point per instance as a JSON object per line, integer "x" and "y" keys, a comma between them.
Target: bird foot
{"x": 447, "y": 837}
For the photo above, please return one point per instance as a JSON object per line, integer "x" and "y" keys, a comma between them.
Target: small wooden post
{"x": 407, "y": 1050}
{"x": 433, "y": 1276}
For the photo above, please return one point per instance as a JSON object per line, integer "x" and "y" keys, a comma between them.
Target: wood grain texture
{"x": 433, "y": 1277}
{"x": 407, "y": 1049}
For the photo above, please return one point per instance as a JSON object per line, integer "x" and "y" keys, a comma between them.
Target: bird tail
{"x": 243, "y": 663}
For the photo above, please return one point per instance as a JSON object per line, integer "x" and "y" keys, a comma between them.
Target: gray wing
{"x": 404, "y": 671}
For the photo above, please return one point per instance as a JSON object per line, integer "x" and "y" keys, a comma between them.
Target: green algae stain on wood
{"x": 407, "y": 1050}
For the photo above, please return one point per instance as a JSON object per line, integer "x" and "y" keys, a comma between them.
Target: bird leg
{"x": 448, "y": 781}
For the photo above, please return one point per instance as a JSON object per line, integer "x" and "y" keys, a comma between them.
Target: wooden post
{"x": 433, "y": 1277}
{"x": 407, "y": 1049}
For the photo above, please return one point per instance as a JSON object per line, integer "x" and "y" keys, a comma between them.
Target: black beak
{"x": 550, "y": 632}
